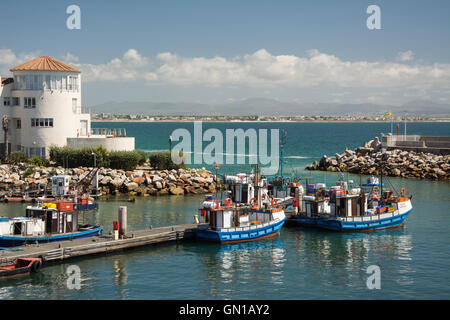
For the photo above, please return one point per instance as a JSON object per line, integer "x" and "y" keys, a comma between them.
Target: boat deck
{"x": 99, "y": 244}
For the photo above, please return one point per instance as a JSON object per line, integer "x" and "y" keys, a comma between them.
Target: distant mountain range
{"x": 270, "y": 107}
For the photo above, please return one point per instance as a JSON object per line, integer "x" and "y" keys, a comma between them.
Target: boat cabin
{"x": 55, "y": 221}
{"x": 336, "y": 202}
{"x": 243, "y": 188}
{"x": 60, "y": 185}
{"x": 235, "y": 217}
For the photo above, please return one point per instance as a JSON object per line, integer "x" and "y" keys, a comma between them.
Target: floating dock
{"x": 58, "y": 251}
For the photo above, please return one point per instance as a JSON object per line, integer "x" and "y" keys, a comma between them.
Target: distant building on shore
{"x": 43, "y": 104}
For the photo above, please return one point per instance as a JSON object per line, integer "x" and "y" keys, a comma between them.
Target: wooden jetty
{"x": 58, "y": 251}
{"x": 62, "y": 250}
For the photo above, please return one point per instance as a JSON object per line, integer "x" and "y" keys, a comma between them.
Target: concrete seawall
{"x": 439, "y": 145}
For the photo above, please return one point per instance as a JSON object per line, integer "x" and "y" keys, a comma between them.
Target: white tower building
{"x": 43, "y": 104}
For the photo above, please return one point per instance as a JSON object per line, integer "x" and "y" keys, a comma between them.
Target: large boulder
{"x": 176, "y": 191}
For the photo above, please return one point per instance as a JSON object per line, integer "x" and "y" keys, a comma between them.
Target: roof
{"x": 44, "y": 63}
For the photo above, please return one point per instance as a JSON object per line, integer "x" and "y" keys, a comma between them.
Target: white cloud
{"x": 405, "y": 56}
{"x": 128, "y": 67}
{"x": 262, "y": 69}
{"x": 324, "y": 72}
{"x": 70, "y": 58}
{"x": 8, "y": 60}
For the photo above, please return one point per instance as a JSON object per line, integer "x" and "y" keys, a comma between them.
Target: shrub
{"x": 82, "y": 157}
{"x": 163, "y": 160}
{"x": 17, "y": 157}
{"x": 38, "y": 161}
{"x": 126, "y": 160}
{"x": 142, "y": 156}
{"x": 27, "y": 173}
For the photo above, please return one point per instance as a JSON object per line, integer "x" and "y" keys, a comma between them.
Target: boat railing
{"x": 371, "y": 217}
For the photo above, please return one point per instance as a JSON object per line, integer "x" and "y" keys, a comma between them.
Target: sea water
{"x": 301, "y": 263}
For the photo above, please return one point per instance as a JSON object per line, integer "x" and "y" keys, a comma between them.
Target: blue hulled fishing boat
{"x": 46, "y": 222}
{"x": 345, "y": 208}
{"x": 249, "y": 213}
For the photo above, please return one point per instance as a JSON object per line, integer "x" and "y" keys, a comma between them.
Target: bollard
{"x": 123, "y": 221}
{"x": 196, "y": 221}
{"x": 116, "y": 227}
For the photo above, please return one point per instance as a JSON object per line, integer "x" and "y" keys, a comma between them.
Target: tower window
{"x": 29, "y": 103}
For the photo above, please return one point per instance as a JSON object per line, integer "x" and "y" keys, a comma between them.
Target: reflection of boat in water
{"x": 248, "y": 214}
{"x": 46, "y": 222}
{"x": 344, "y": 208}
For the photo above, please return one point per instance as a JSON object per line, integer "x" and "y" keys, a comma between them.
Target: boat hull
{"x": 18, "y": 268}
{"x": 242, "y": 235}
{"x": 15, "y": 241}
{"x": 393, "y": 221}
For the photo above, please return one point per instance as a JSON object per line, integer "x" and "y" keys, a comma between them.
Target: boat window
{"x": 17, "y": 227}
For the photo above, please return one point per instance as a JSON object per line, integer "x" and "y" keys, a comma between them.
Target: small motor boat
{"x": 21, "y": 266}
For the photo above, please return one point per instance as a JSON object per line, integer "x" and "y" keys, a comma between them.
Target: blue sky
{"x": 418, "y": 31}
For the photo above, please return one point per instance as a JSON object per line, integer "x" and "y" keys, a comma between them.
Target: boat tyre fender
{"x": 6, "y": 200}
{"x": 36, "y": 266}
{"x": 274, "y": 203}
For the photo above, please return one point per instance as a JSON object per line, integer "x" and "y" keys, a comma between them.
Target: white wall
{"x": 55, "y": 104}
{"x": 116, "y": 144}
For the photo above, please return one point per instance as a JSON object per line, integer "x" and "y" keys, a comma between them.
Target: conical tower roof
{"x": 45, "y": 63}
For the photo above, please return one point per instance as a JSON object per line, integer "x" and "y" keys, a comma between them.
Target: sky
{"x": 225, "y": 51}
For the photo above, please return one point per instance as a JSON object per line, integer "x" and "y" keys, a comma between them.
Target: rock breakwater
{"x": 396, "y": 163}
{"x": 17, "y": 179}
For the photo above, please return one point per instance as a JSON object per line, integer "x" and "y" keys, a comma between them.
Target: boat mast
{"x": 282, "y": 143}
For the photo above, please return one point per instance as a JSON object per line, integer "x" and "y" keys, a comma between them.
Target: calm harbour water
{"x": 299, "y": 264}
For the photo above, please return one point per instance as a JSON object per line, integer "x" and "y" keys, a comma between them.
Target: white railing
{"x": 114, "y": 132}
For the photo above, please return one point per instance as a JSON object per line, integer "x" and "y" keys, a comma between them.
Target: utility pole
{"x": 96, "y": 172}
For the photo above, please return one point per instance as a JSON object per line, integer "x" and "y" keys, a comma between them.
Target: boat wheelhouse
{"x": 57, "y": 221}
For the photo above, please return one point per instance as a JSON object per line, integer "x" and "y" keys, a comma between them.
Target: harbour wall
{"x": 144, "y": 181}
{"x": 406, "y": 161}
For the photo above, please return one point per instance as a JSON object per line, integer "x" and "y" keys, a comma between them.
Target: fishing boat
{"x": 45, "y": 222}
{"x": 248, "y": 214}
{"x": 344, "y": 207}
{"x": 230, "y": 223}
{"x": 20, "y": 267}
{"x": 80, "y": 197}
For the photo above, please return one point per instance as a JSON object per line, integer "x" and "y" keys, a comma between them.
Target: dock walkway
{"x": 100, "y": 244}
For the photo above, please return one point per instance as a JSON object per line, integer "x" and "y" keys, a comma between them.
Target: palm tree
{"x": 5, "y": 124}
